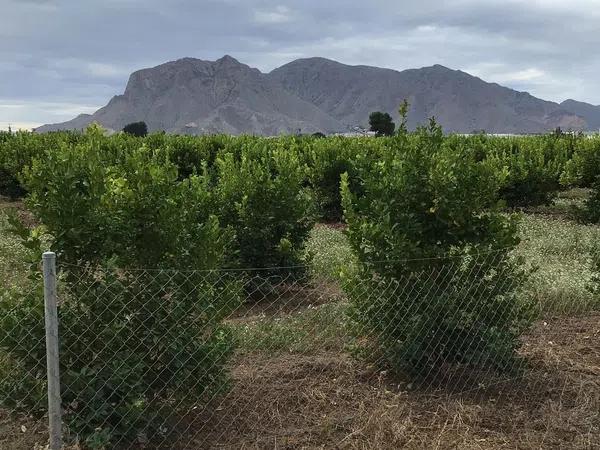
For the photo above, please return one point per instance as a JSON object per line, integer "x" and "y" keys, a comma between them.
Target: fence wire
{"x": 286, "y": 358}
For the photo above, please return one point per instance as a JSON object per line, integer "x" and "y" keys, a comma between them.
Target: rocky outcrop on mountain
{"x": 193, "y": 96}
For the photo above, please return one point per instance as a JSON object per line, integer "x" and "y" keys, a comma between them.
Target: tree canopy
{"x": 381, "y": 123}
{"x": 139, "y": 129}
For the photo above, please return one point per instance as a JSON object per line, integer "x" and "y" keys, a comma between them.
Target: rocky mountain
{"x": 459, "y": 101}
{"x": 196, "y": 97}
{"x": 590, "y": 113}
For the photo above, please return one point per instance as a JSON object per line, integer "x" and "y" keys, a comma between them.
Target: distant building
{"x": 356, "y": 131}
{"x": 356, "y": 134}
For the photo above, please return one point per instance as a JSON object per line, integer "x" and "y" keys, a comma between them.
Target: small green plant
{"x": 403, "y": 112}
{"x": 590, "y": 211}
{"x": 582, "y": 168}
{"x": 18, "y": 150}
{"x": 594, "y": 285}
{"x": 533, "y": 168}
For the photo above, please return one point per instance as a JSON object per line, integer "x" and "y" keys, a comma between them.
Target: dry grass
{"x": 21, "y": 432}
{"x": 330, "y": 400}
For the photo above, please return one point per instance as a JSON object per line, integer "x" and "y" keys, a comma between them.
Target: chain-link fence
{"x": 445, "y": 353}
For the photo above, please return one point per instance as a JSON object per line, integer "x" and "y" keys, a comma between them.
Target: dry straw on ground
{"x": 331, "y": 400}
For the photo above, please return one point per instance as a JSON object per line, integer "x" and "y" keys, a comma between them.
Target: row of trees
{"x": 534, "y": 168}
{"x": 379, "y": 122}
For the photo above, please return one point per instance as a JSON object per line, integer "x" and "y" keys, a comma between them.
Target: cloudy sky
{"x": 59, "y": 58}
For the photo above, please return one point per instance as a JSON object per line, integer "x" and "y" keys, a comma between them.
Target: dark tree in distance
{"x": 381, "y": 123}
{"x": 138, "y": 129}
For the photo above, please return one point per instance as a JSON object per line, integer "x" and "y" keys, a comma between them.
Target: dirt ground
{"x": 331, "y": 400}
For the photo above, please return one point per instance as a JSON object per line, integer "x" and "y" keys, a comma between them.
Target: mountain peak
{"x": 577, "y": 102}
{"x": 442, "y": 68}
{"x": 229, "y": 60}
{"x": 318, "y": 59}
{"x": 311, "y": 62}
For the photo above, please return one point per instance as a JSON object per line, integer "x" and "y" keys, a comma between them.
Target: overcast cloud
{"x": 59, "y": 58}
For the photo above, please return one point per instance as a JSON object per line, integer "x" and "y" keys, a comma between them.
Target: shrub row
{"x": 536, "y": 167}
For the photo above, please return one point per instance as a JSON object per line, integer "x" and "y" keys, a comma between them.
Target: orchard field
{"x": 420, "y": 291}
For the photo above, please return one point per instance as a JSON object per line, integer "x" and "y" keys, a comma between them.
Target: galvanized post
{"x": 51, "y": 320}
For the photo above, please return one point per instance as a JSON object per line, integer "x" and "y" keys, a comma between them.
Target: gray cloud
{"x": 61, "y": 57}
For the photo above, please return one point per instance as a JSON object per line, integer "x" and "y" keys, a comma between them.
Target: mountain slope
{"x": 315, "y": 94}
{"x": 459, "y": 101}
{"x": 590, "y": 113}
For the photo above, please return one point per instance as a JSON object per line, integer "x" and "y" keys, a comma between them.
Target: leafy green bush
{"x": 261, "y": 195}
{"x": 425, "y": 291}
{"x": 328, "y": 159}
{"x": 191, "y": 154}
{"x": 9, "y": 185}
{"x": 18, "y": 150}
{"x": 533, "y": 167}
{"x": 127, "y": 355}
{"x": 100, "y": 203}
{"x": 590, "y": 211}
{"x": 594, "y": 285}
{"x": 134, "y": 342}
{"x": 584, "y": 166}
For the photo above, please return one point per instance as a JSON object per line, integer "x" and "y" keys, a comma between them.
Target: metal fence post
{"x": 51, "y": 320}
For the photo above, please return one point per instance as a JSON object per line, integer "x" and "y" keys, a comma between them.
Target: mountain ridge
{"x": 196, "y": 96}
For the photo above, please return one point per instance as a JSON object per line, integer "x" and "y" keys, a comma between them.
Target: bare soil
{"x": 21, "y": 432}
